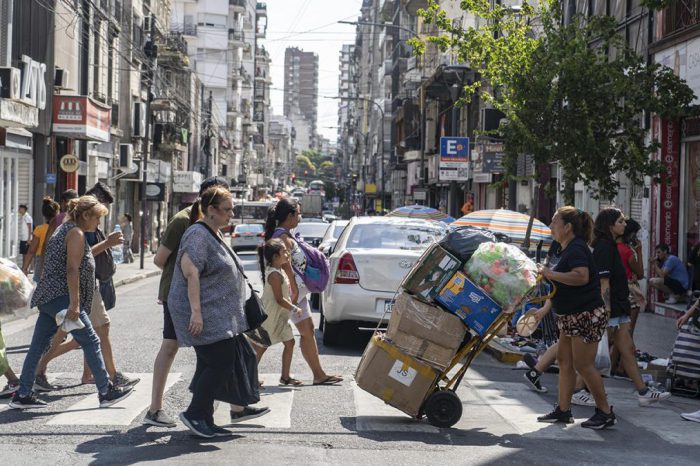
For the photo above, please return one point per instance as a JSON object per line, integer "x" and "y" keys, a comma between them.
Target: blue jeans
{"x": 43, "y": 332}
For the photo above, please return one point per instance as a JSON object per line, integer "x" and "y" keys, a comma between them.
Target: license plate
{"x": 248, "y": 236}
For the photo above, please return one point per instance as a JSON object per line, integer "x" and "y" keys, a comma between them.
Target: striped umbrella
{"x": 508, "y": 222}
{"x": 448, "y": 220}
{"x": 418, "y": 211}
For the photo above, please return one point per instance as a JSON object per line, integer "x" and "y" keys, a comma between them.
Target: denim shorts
{"x": 617, "y": 321}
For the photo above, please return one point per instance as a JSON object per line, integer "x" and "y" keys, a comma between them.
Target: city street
{"x": 321, "y": 424}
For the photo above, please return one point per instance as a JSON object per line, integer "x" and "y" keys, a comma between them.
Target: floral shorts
{"x": 588, "y": 325}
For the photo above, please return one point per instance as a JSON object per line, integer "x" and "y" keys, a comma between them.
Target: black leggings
{"x": 214, "y": 365}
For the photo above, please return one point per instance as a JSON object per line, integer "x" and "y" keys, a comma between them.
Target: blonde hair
{"x": 85, "y": 204}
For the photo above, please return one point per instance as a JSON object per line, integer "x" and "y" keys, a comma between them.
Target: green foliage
{"x": 305, "y": 164}
{"x": 656, "y": 4}
{"x": 572, "y": 93}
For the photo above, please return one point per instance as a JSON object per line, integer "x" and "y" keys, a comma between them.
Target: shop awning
{"x": 80, "y": 117}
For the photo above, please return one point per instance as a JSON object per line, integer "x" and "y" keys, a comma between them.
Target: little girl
{"x": 278, "y": 305}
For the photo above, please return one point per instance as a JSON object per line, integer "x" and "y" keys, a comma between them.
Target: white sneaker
{"x": 695, "y": 417}
{"x": 671, "y": 299}
{"x": 582, "y": 398}
{"x": 652, "y": 396}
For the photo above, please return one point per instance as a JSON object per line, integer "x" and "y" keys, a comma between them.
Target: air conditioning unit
{"x": 10, "y": 82}
{"x": 126, "y": 155}
{"x": 139, "y": 121}
{"x": 60, "y": 79}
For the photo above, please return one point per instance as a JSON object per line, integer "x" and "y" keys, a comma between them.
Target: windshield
{"x": 252, "y": 228}
{"x": 394, "y": 236}
{"x": 312, "y": 230}
{"x": 250, "y": 212}
{"x": 338, "y": 230}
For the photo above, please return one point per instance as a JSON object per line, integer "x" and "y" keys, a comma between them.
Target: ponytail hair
{"x": 278, "y": 213}
{"x": 211, "y": 197}
{"x": 49, "y": 208}
{"x": 580, "y": 220}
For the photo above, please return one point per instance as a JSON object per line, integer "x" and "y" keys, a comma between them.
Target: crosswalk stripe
{"x": 519, "y": 406}
{"x": 4, "y": 404}
{"x": 373, "y": 415}
{"x": 278, "y": 399}
{"x": 86, "y": 412}
{"x": 657, "y": 418}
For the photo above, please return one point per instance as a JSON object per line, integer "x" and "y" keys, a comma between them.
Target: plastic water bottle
{"x": 117, "y": 253}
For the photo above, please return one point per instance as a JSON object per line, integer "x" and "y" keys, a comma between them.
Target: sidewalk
{"x": 125, "y": 274}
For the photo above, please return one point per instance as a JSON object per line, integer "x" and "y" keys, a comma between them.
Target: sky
{"x": 312, "y": 26}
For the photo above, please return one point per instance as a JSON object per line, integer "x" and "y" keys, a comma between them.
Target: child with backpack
{"x": 278, "y": 305}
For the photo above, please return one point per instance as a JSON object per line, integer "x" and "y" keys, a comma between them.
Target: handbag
{"x": 104, "y": 262}
{"x": 254, "y": 310}
{"x": 108, "y": 293}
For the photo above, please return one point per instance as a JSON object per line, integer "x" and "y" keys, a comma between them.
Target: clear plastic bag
{"x": 503, "y": 271}
{"x": 15, "y": 288}
{"x": 602, "y": 357}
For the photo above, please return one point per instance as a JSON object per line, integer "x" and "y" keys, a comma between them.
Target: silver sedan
{"x": 368, "y": 263}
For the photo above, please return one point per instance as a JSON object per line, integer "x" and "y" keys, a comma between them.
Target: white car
{"x": 247, "y": 236}
{"x": 367, "y": 265}
{"x": 332, "y": 235}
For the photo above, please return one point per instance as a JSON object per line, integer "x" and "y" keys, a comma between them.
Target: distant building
{"x": 301, "y": 90}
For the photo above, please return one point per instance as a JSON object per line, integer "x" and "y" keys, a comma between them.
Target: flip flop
{"x": 290, "y": 381}
{"x": 330, "y": 380}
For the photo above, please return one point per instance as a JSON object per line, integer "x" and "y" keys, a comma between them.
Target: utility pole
{"x": 210, "y": 106}
{"x": 151, "y": 52}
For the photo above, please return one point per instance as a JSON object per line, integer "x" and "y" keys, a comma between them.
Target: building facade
{"x": 301, "y": 95}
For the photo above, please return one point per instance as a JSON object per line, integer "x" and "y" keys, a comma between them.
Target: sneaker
{"x": 159, "y": 419}
{"x": 120, "y": 380}
{"x": 41, "y": 384}
{"x": 530, "y": 360}
{"x": 652, "y": 396}
{"x": 114, "y": 395}
{"x": 557, "y": 416}
{"x": 695, "y": 417}
{"x": 583, "y": 398}
{"x": 533, "y": 379}
{"x": 600, "y": 420}
{"x": 671, "y": 299}
{"x": 26, "y": 402}
{"x": 220, "y": 431}
{"x": 9, "y": 389}
{"x": 198, "y": 426}
{"x": 248, "y": 413}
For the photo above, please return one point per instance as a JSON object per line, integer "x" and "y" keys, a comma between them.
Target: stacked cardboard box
{"x": 469, "y": 302}
{"x": 430, "y": 273}
{"x": 400, "y": 380}
{"x": 425, "y": 331}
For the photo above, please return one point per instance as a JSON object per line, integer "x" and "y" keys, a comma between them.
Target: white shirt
{"x": 24, "y": 222}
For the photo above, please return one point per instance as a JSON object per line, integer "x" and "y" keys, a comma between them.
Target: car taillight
{"x": 235, "y": 235}
{"x": 262, "y": 235}
{"x": 347, "y": 273}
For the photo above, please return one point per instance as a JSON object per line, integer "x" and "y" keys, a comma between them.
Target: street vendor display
{"x": 15, "y": 288}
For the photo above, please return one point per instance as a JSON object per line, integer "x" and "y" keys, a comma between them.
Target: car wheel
{"x": 332, "y": 333}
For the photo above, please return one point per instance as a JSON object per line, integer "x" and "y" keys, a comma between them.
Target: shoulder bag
{"x": 104, "y": 262}
{"x": 254, "y": 311}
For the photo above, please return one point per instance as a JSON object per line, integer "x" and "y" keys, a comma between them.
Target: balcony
{"x": 678, "y": 17}
{"x": 261, "y": 9}
{"x": 236, "y": 38}
{"x": 238, "y": 6}
{"x": 186, "y": 29}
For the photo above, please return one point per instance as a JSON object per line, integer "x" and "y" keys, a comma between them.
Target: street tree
{"x": 572, "y": 93}
{"x": 305, "y": 166}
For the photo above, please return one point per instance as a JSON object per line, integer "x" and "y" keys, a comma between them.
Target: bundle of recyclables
{"x": 456, "y": 297}
{"x": 15, "y": 288}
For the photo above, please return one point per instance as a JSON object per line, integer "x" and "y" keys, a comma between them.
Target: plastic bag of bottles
{"x": 15, "y": 288}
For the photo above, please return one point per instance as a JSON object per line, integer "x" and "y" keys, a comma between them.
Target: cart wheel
{"x": 443, "y": 408}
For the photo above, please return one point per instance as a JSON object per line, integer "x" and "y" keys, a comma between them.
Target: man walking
{"x": 25, "y": 230}
{"x": 165, "y": 258}
{"x": 671, "y": 275}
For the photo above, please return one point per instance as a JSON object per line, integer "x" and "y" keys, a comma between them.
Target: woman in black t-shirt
{"x": 609, "y": 225}
{"x": 581, "y": 315}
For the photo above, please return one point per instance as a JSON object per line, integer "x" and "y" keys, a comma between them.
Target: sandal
{"x": 290, "y": 381}
{"x": 330, "y": 380}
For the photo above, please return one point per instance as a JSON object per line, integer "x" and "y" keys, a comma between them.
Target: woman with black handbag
{"x": 207, "y": 302}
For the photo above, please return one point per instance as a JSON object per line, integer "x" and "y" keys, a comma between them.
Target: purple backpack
{"x": 317, "y": 270}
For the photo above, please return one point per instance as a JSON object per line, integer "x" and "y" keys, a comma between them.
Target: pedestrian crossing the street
{"x": 501, "y": 408}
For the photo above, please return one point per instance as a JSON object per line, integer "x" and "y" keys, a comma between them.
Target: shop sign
{"x": 155, "y": 192}
{"x": 15, "y": 114}
{"x": 33, "y": 86}
{"x": 81, "y": 118}
{"x": 50, "y": 178}
{"x": 420, "y": 194}
{"x": 454, "y": 159}
{"x": 669, "y": 190}
{"x": 483, "y": 178}
{"x": 186, "y": 182}
{"x": 69, "y": 163}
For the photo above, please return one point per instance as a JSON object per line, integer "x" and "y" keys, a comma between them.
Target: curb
{"x": 502, "y": 353}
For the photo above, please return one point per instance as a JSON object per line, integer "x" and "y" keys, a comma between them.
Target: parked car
{"x": 367, "y": 265}
{"x": 312, "y": 220}
{"x": 312, "y": 232}
{"x": 332, "y": 235}
{"x": 247, "y": 236}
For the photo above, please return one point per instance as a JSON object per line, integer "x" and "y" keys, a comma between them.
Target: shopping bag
{"x": 602, "y": 357}
{"x": 4, "y": 363}
{"x": 108, "y": 293}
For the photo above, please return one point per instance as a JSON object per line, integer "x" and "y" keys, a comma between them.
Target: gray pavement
{"x": 312, "y": 425}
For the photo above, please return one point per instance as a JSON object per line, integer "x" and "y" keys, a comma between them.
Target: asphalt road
{"x": 322, "y": 424}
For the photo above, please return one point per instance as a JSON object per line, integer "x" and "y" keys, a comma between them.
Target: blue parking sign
{"x": 454, "y": 149}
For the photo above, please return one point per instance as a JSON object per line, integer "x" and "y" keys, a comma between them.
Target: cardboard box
{"x": 425, "y": 331}
{"x": 398, "y": 379}
{"x": 430, "y": 273}
{"x": 469, "y": 302}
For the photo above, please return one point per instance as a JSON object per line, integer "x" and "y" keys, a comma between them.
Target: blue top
{"x": 676, "y": 270}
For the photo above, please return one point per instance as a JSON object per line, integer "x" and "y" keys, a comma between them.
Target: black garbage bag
{"x": 463, "y": 241}
{"x": 241, "y": 387}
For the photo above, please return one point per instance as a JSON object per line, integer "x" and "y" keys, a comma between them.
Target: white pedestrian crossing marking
{"x": 373, "y": 415}
{"x": 278, "y": 399}
{"x": 4, "y": 404}
{"x": 86, "y": 412}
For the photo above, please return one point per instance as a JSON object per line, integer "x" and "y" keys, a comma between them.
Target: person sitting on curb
{"x": 672, "y": 277}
